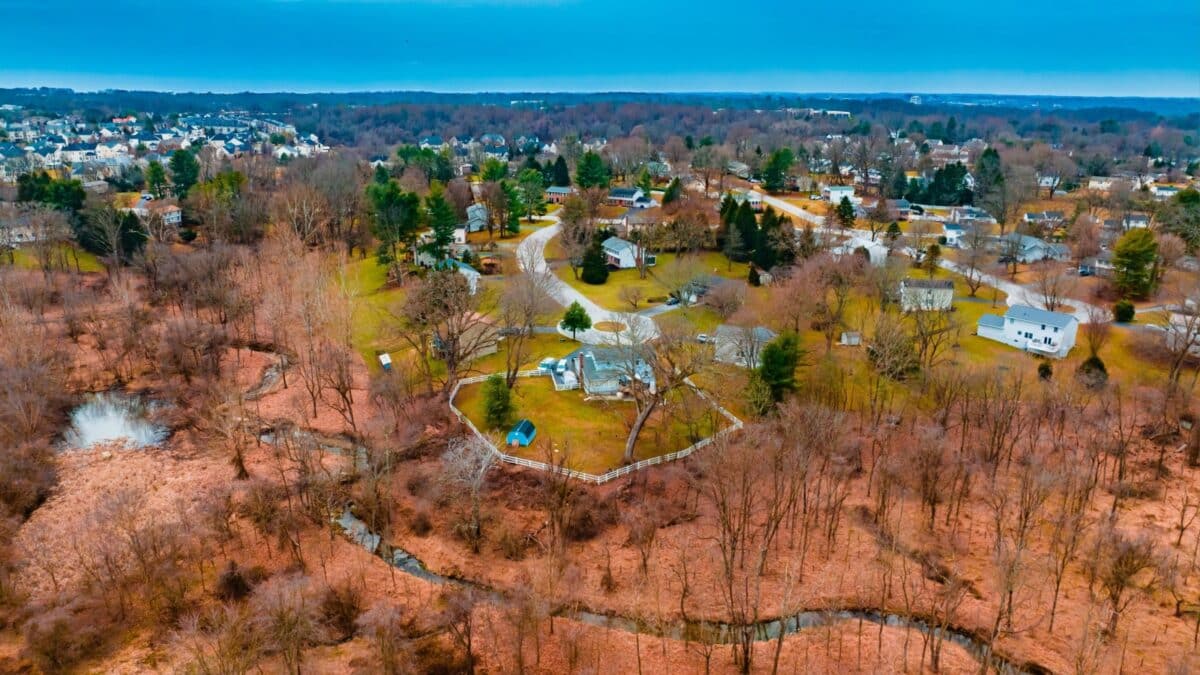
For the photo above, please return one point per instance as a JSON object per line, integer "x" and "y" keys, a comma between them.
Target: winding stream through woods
{"x": 718, "y": 633}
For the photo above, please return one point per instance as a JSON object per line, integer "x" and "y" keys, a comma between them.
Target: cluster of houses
{"x": 468, "y": 152}
{"x": 94, "y": 151}
{"x": 1157, "y": 185}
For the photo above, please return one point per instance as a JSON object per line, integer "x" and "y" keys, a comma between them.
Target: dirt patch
{"x": 609, "y": 326}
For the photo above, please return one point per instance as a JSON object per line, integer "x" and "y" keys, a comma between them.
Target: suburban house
{"x": 557, "y": 194}
{"x": 970, "y": 215}
{"x": 739, "y": 169}
{"x": 480, "y": 336}
{"x": 1027, "y": 249}
{"x": 640, "y": 219}
{"x": 876, "y": 252}
{"x": 1164, "y": 192}
{"x": 899, "y": 209}
{"x": 624, "y": 255}
{"x": 926, "y": 295}
{"x": 741, "y": 345}
{"x": 1031, "y": 329}
{"x": 477, "y": 218}
{"x": 78, "y": 152}
{"x": 953, "y": 234}
{"x": 753, "y": 198}
{"x": 605, "y": 371}
{"x": 170, "y": 213}
{"x": 835, "y": 193}
{"x": 1045, "y": 218}
{"x": 625, "y": 196}
{"x": 1101, "y": 183}
{"x": 432, "y": 143}
{"x": 1132, "y": 220}
{"x": 469, "y": 273}
{"x": 499, "y": 152}
{"x": 1099, "y": 265}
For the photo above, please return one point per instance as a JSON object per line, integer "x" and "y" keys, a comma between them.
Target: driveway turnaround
{"x": 533, "y": 248}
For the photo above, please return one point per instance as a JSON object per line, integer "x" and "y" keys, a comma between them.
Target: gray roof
{"x": 761, "y": 334}
{"x": 623, "y": 193}
{"x": 616, "y": 245}
{"x": 558, "y": 190}
{"x": 991, "y": 321}
{"x": 1040, "y": 316}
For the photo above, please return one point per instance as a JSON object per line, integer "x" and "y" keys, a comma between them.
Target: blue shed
{"x": 522, "y": 433}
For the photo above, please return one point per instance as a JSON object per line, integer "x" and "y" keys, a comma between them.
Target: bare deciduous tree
{"x": 466, "y": 464}
{"x": 525, "y": 301}
{"x": 1052, "y": 285}
{"x": 303, "y": 209}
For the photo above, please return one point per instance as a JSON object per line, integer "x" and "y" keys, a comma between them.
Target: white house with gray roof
{"x": 1031, "y": 329}
{"x": 623, "y": 254}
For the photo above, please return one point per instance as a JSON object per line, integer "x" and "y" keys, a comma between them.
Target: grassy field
{"x": 537, "y": 347}
{"x": 87, "y": 262}
{"x": 366, "y": 280}
{"x": 607, "y": 295}
{"x": 527, "y": 228}
{"x": 593, "y": 433}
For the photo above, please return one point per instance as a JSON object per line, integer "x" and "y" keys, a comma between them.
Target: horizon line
{"x": 590, "y": 92}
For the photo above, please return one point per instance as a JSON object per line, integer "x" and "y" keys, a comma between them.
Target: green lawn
{"x": 366, "y": 280}
{"x": 593, "y": 432}
{"x": 608, "y": 294}
{"x": 87, "y": 262}
{"x": 537, "y": 347}
{"x": 704, "y": 319}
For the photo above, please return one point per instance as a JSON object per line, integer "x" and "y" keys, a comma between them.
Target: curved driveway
{"x": 533, "y": 248}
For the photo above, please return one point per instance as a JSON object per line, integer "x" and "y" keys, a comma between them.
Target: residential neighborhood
{"x": 610, "y": 382}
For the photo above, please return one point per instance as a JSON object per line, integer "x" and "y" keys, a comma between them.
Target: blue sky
{"x": 1069, "y": 47}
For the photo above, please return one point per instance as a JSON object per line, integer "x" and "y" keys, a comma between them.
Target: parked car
{"x": 672, "y": 301}
{"x": 702, "y": 338}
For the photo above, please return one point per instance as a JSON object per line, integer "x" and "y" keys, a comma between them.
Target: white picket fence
{"x": 734, "y": 425}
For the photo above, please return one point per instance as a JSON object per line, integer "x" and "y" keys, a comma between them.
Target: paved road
{"x": 793, "y": 210}
{"x": 534, "y": 248}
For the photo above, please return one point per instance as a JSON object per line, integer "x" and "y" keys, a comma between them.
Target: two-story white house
{"x": 1033, "y": 330}
{"x": 835, "y": 193}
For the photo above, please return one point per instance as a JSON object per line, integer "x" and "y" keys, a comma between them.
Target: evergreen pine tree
{"x": 673, "y": 192}
{"x": 644, "y": 182}
{"x": 441, "y": 219}
{"x": 497, "y": 401}
{"x": 779, "y": 360}
{"x": 734, "y": 248}
{"x": 747, "y": 225}
{"x": 765, "y": 255}
{"x": 595, "y": 267}
{"x": 728, "y": 210}
{"x": 562, "y": 176}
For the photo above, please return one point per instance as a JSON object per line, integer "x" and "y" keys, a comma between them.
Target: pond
{"x": 110, "y": 417}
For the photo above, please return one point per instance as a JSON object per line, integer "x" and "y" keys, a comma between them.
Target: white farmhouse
{"x": 623, "y": 254}
{"x": 926, "y": 295}
{"x": 953, "y": 234}
{"x": 834, "y": 194}
{"x": 1031, "y": 329}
